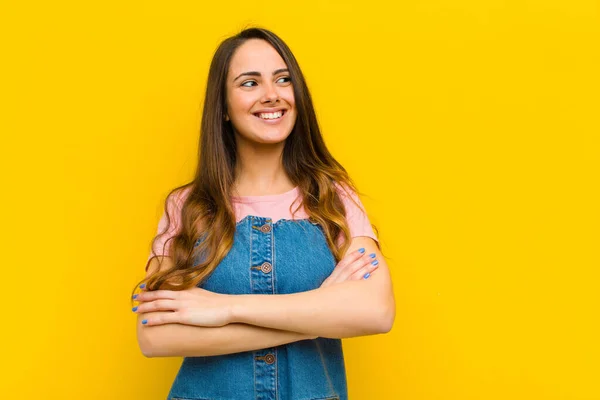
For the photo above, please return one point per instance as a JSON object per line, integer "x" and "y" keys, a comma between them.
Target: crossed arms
{"x": 347, "y": 309}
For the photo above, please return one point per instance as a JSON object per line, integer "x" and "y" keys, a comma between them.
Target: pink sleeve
{"x": 356, "y": 216}
{"x": 174, "y": 204}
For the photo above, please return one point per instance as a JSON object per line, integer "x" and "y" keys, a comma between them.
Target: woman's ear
{"x": 226, "y": 117}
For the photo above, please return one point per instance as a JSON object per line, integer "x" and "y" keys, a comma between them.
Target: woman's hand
{"x": 354, "y": 266}
{"x": 193, "y": 306}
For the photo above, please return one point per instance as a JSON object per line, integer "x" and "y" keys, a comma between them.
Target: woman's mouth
{"x": 268, "y": 117}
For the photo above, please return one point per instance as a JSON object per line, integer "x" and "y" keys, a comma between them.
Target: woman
{"x": 266, "y": 259}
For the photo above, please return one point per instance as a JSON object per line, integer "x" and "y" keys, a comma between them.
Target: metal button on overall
{"x": 266, "y": 228}
{"x": 269, "y": 358}
{"x": 266, "y": 267}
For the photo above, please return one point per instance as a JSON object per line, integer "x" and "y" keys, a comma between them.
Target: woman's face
{"x": 260, "y": 95}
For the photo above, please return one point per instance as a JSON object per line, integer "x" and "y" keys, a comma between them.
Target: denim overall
{"x": 284, "y": 257}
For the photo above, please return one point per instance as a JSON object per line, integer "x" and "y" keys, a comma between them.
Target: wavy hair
{"x": 207, "y": 213}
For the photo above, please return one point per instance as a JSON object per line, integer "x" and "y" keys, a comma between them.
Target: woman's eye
{"x": 284, "y": 79}
{"x": 249, "y": 83}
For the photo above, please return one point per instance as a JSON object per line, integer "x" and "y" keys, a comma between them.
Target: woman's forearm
{"x": 176, "y": 340}
{"x": 347, "y": 309}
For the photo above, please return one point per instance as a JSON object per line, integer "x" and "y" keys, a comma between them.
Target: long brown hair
{"x": 207, "y": 210}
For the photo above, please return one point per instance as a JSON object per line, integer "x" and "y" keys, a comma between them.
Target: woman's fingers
{"x": 353, "y": 267}
{"x": 347, "y": 260}
{"x": 157, "y": 294}
{"x": 156, "y": 305}
{"x": 161, "y": 318}
{"x": 344, "y": 262}
{"x": 365, "y": 271}
{"x": 350, "y": 258}
{"x": 357, "y": 265}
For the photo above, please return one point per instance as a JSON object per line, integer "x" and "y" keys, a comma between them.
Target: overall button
{"x": 266, "y": 267}
{"x": 266, "y": 228}
{"x": 269, "y": 358}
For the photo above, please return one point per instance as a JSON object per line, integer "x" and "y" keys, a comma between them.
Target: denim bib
{"x": 287, "y": 256}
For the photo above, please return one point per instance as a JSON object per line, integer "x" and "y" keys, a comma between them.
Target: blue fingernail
{"x": 143, "y": 285}
{"x": 135, "y": 296}
{"x": 144, "y": 321}
{"x": 368, "y": 274}
{"x": 361, "y": 250}
{"x": 134, "y": 308}
{"x": 375, "y": 262}
{"x": 372, "y": 255}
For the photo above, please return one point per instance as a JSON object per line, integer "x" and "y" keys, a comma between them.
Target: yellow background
{"x": 472, "y": 127}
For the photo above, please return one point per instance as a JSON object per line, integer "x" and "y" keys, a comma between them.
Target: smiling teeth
{"x": 276, "y": 115}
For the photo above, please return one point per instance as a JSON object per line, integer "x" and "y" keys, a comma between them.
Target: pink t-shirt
{"x": 275, "y": 207}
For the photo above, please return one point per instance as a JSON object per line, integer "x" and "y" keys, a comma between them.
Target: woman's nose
{"x": 270, "y": 95}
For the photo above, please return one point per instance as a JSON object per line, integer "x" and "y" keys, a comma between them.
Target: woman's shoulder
{"x": 348, "y": 194}
{"x": 356, "y": 214}
{"x": 177, "y": 197}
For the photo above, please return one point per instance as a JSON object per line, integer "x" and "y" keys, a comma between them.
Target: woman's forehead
{"x": 255, "y": 55}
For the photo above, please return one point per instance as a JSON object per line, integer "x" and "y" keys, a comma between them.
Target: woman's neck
{"x": 259, "y": 170}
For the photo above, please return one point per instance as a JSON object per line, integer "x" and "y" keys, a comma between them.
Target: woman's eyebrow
{"x": 256, "y": 73}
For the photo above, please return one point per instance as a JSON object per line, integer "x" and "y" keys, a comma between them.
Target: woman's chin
{"x": 264, "y": 136}
{"x": 269, "y": 138}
